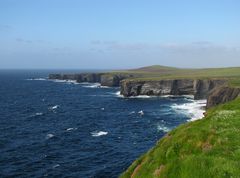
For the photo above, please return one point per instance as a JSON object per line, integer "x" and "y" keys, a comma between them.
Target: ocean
{"x": 64, "y": 129}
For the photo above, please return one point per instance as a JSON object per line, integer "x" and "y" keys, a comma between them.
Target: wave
{"x": 53, "y": 108}
{"x": 71, "y": 129}
{"x": 64, "y": 81}
{"x": 161, "y": 127}
{"x": 91, "y": 85}
{"x": 39, "y": 79}
{"x": 118, "y": 94}
{"x": 105, "y": 87}
{"x": 141, "y": 113}
{"x": 142, "y": 96}
{"x": 38, "y": 114}
{"x": 98, "y": 134}
{"x": 55, "y": 166}
{"x": 187, "y": 97}
{"x": 195, "y": 109}
{"x": 48, "y": 136}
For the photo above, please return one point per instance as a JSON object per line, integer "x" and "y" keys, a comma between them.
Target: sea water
{"x": 51, "y": 128}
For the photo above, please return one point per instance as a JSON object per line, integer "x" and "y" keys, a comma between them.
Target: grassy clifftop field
{"x": 158, "y": 72}
{"x": 206, "y": 148}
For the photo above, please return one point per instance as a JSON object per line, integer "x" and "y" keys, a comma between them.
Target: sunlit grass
{"x": 209, "y": 147}
{"x": 154, "y": 73}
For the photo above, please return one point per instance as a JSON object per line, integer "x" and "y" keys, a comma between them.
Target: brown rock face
{"x": 112, "y": 80}
{"x": 222, "y": 95}
{"x": 199, "y": 88}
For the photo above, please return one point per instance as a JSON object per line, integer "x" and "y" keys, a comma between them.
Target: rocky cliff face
{"x": 111, "y": 80}
{"x": 199, "y": 88}
{"x": 222, "y": 95}
{"x": 84, "y": 77}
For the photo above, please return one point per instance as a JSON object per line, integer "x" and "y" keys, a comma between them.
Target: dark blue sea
{"x": 62, "y": 129}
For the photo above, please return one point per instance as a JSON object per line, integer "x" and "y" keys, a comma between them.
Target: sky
{"x": 119, "y": 34}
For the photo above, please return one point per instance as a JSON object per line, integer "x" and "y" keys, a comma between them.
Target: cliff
{"x": 106, "y": 79}
{"x": 222, "y": 95}
{"x": 199, "y": 88}
{"x": 83, "y": 77}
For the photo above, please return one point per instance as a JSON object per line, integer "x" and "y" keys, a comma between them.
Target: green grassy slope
{"x": 163, "y": 72}
{"x": 207, "y": 148}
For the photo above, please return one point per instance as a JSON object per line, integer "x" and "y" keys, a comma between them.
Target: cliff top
{"x": 163, "y": 72}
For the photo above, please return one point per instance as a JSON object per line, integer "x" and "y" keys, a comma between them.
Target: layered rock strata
{"x": 222, "y": 95}
{"x": 111, "y": 80}
{"x": 199, "y": 88}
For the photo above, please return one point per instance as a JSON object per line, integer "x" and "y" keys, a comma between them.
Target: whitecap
{"x": 133, "y": 112}
{"x": 54, "y": 107}
{"x": 102, "y": 109}
{"x": 161, "y": 127}
{"x": 91, "y": 85}
{"x": 118, "y": 94}
{"x": 141, "y": 112}
{"x": 55, "y": 166}
{"x": 39, "y": 79}
{"x": 98, "y": 133}
{"x": 38, "y": 114}
{"x": 194, "y": 109}
{"x": 64, "y": 81}
{"x": 105, "y": 87}
{"x": 49, "y": 136}
{"x": 70, "y": 129}
{"x": 142, "y": 96}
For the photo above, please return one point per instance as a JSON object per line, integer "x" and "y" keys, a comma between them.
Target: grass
{"x": 153, "y": 73}
{"x": 206, "y": 148}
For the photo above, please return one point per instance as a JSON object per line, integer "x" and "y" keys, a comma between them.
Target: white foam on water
{"x": 71, "y": 129}
{"x": 194, "y": 109}
{"x": 49, "y": 136}
{"x": 91, "y": 85}
{"x": 64, "y": 81}
{"x": 54, "y": 107}
{"x": 142, "y": 96}
{"x": 161, "y": 127}
{"x": 118, "y": 94}
{"x": 141, "y": 112}
{"x": 133, "y": 112}
{"x": 38, "y": 114}
{"x": 105, "y": 87}
{"x": 55, "y": 166}
{"x": 152, "y": 96}
{"x": 39, "y": 79}
{"x": 98, "y": 133}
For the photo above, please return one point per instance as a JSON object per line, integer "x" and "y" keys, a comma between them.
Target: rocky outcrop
{"x": 199, "y": 88}
{"x": 89, "y": 77}
{"x": 112, "y": 80}
{"x": 83, "y": 77}
{"x": 222, "y": 95}
{"x": 62, "y": 76}
{"x": 203, "y": 87}
{"x": 106, "y": 79}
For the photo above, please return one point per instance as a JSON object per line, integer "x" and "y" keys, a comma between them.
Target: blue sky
{"x": 108, "y": 34}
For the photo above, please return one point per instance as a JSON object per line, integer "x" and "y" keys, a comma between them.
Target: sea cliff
{"x": 216, "y": 91}
{"x": 199, "y": 88}
{"x": 106, "y": 79}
